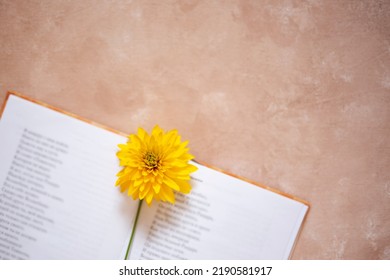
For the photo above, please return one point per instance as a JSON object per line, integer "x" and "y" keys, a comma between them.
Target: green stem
{"x": 134, "y": 227}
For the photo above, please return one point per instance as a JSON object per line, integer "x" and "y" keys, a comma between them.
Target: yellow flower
{"x": 154, "y": 165}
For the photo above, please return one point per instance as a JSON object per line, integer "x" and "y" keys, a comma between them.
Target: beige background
{"x": 292, "y": 94}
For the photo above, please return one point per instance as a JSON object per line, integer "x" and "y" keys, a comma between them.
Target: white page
{"x": 57, "y": 194}
{"x": 222, "y": 218}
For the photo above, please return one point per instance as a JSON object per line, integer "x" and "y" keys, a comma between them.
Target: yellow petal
{"x": 185, "y": 187}
{"x": 149, "y": 197}
{"x": 156, "y": 188}
{"x": 142, "y": 133}
{"x": 170, "y": 183}
{"x": 138, "y": 183}
{"x": 167, "y": 194}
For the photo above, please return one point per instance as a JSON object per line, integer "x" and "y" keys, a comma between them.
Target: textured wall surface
{"x": 292, "y": 94}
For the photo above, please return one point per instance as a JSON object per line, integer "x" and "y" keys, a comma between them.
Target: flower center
{"x": 151, "y": 161}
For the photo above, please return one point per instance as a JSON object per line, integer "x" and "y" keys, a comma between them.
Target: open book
{"x": 58, "y": 200}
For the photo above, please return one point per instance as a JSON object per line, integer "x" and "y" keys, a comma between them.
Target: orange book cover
{"x": 197, "y": 161}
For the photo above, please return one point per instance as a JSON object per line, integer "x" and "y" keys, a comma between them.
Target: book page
{"x": 57, "y": 194}
{"x": 222, "y": 218}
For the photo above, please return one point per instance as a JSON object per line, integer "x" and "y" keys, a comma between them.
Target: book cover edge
{"x": 255, "y": 183}
{"x": 57, "y": 109}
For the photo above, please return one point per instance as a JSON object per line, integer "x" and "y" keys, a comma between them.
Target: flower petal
{"x": 170, "y": 183}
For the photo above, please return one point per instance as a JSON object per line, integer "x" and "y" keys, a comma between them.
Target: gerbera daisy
{"x": 154, "y": 166}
